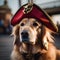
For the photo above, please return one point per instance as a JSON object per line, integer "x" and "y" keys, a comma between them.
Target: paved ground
{"x": 6, "y": 44}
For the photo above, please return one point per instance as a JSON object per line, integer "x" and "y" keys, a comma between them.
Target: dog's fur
{"x": 40, "y": 45}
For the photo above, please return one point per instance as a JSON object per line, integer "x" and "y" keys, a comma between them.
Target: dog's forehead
{"x": 31, "y": 20}
{"x": 24, "y": 20}
{"x": 28, "y": 20}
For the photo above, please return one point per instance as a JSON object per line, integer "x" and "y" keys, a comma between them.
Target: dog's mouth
{"x": 25, "y": 39}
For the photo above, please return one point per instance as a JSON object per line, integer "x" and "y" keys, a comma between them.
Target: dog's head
{"x": 30, "y": 31}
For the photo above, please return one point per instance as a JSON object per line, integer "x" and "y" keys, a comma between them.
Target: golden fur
{"x": 43, "y": 45}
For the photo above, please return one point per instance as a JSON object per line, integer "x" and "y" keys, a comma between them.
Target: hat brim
{"x": 36, "y": 13}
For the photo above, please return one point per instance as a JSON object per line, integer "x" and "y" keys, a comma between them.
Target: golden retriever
{"x": 33, "y": 41}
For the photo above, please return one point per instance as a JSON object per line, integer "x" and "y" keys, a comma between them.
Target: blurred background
{"x": 7, "y": 10}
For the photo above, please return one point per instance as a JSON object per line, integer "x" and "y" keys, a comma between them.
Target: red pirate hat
{"x": 34, "y": 12}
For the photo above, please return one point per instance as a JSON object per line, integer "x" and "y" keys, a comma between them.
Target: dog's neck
{"x": 31, "y": 49}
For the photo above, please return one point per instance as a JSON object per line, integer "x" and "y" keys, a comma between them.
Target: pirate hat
{"x": 33, "y": 11}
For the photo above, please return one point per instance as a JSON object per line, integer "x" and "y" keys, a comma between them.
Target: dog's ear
{"x": 16, "y": 35}
{"x": 44, "y": 38}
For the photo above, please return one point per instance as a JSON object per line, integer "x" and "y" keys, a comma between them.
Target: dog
{"x": 33, "y": 41}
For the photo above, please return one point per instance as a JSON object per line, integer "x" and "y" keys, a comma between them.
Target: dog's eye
{"x": 22, "y": 24}
{"x": 35, "y": 24}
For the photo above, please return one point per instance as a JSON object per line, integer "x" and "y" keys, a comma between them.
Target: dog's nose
{"x": 25, "y": 36}
{"x": 24, "y": 33}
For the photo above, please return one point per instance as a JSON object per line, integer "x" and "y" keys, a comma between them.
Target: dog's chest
{"x": 27, "y": 56}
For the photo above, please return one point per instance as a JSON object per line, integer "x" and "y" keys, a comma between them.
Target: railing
{"x": 43, "y": 5}
{"x": 50, "y": 4}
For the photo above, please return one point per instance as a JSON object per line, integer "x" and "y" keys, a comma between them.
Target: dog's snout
{"x": 25, "y": 36}
{"x": 24, "y": 33}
